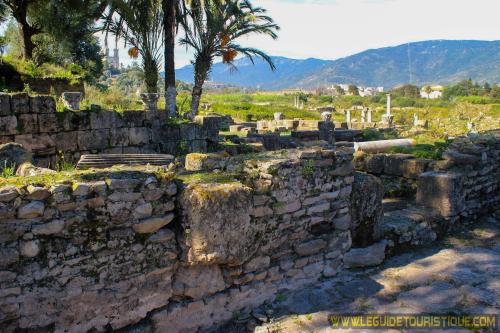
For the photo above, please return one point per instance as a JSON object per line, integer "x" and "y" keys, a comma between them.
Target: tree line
{"x": 64, "y": 31}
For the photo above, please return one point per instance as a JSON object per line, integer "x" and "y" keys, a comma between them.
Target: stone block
{"x": 119, "y": 137}
{"x": 139, "y": 136}
{"x": 81, "y": 120}
{"x": 105, "y": 119}
{"x": 206, "y": 162}
{"x": 5, "y": 109}
{"x": 27, "y": 123}
{"x": 199, "y": 281}
{"x": 443, "y": 192}
{"x": 42, "y": 104}
{"x": 93, "y": 140}
{"x": 364, "y": 257}
{"x": 8, "y": 125}
{"x": 366, "y": 208}
{"x": 31, "y": 210}
{"x": 213, "y": 234}
{"x": 309, "y": 248}
{"x": 190, "y": 131}
{"x": 66, "y": 141}
{"x": 20, "y": 103}
{"x": 134, "y": 118}
{"x": 374, "y": 163}
{"x": 152, "y": 224}
{"x": 47, "y": 123}
{"x": 412, "y": 168}
{"x": 394, "y": 164}
{"x": 38, "y": 144}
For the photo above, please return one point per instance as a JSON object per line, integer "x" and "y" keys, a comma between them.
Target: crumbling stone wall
{"x": 118, "y": 249}
{"x": 465, "y": 184}
{"x": 33, "y": 122}
{"x": 398, "y": 172}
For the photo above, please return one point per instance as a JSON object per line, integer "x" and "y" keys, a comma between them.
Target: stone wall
{"x": 34, "y": 123}
{"x": 398, "y": 172}
{"x": 465, "y": 184}
{"x": 129, "y": 249}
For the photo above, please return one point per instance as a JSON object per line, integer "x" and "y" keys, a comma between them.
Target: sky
{"x": 331, "y": 29}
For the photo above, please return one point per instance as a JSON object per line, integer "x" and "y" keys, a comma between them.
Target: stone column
{"x": 369, "y": 115}
{"x": 388, "y": 105}
{"x": 363, "y": 115}
{"x": 72, "y": 99}
{"x": 415, "y": 119}
{"x": 150, "y": 101}
{"x": 348, "y": 116}
{"x": 279, "y": 116}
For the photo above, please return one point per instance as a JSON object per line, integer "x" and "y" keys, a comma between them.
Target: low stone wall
{"x": 120, "y": 249}
{"x": 34, "y": 123}
{"x": 398, "y": 172}
{"x": 466, "y": 183}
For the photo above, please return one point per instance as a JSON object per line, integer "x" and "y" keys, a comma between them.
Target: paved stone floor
{"x": 457, "y": 275}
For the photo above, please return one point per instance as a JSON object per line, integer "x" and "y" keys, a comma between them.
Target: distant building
{"x": 113, "y": 61}
{"x": 432, "y": 92}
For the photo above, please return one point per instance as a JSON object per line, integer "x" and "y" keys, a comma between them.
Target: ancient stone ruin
{"x": 186, "y": 248}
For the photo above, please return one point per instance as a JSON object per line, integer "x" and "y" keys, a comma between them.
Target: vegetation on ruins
{"x": 139, "y": 24}
{"x": 35, "y": 38}
{"x": 212, "y": 29}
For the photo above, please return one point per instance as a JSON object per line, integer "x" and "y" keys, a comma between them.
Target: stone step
{"x": 101, "y": 161}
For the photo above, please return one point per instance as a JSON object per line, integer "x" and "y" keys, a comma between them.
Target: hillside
{"x": 440, "y": 61}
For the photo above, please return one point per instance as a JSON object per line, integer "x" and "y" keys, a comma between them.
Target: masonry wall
{"x": 465, "y": 184}
{"x": 34, "y": 123}
{"x": 122, "y": 249}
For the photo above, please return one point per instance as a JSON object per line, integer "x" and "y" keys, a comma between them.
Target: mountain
{"x": 427, "y": 62}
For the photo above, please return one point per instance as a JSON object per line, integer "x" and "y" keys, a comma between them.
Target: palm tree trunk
{"x": 169, "y": 7}
{"x": 201, "y": 69}
{"x": 150, "y": 73}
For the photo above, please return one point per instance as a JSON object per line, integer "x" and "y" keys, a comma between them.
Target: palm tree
{"x": 140, "y": 24}
{"x": 170, "y": 10}
{"x": 212, "y": 28}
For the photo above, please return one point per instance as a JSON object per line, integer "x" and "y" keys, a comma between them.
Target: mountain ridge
{"x": 424, "y": 62}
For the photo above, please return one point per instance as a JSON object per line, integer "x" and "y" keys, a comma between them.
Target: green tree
{"x": 212, "y": 29}
{"x": 407, "y": 90}
{"x": 339, "y": 90}
{"x": 19, "y": 10}
{"x": 140, "y": 24}
{"x": 495, "y": 91}
{"x": 353, "y": 90}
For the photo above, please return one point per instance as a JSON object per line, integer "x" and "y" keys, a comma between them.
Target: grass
{"x": 8, "y": 171}
{"x": 139, "y": 172}
{"x": 431, "y": 151}
{"x": 208, "y": 178}
{"x": 71, "y": 72}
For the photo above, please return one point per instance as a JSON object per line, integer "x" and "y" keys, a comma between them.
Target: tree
{"x": 140, "y": 24}
{"x": 428, "y": 91}
{"x": 339, "y": 90}
{"x": 495, "y": 91}
{"x": 353, "y": 90}
{"x": 19, "y": 10}
{"x": 170, "y": 10}
{"x": 407, "y": 90}
{"x": 212, "y": 29}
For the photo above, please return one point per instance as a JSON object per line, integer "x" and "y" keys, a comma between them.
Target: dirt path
{"x": 458, "y": 275}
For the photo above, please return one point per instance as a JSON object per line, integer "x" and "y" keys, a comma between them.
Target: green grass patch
{"x": 430, "y": 151}
{"x": 208, "y": 178}
{"x": 118, "y": 172}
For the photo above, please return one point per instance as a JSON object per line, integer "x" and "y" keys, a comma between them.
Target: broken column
{"x": 150, "y": 101}
{"x": 72, "y": 99}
